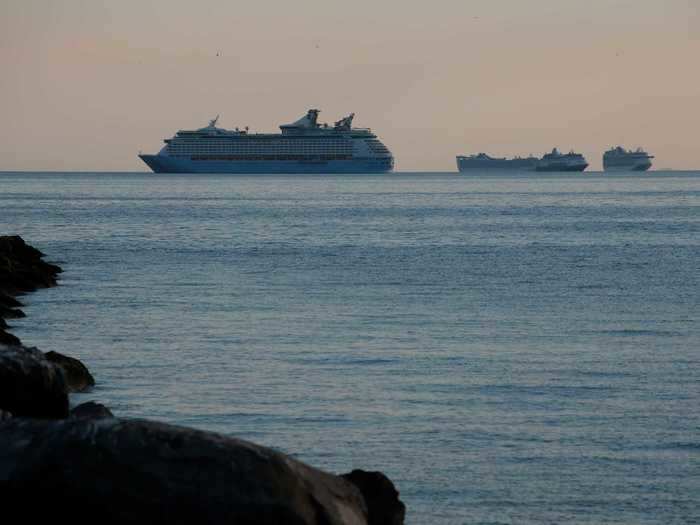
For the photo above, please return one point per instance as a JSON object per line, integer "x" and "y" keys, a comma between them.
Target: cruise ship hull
{"x": 467, "y": 165}
{"x": 166, "y": 164}
{"x": 550, "y": 169}
{"x": 634, "y": 167}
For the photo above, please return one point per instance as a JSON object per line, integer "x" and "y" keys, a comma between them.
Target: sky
{"x": 87, "y": 84}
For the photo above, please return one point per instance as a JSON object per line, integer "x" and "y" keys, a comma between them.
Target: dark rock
{"x": 10, "y": 313}
{"x": 4, "y": 415}
{"x": 131, "y": 471}
{"x": 22, "y": 268}
{"x": 5, "y": 338}
{"x": 8, "y": 339}
{"x": 14, "y": 244}
{"x": 78, "y": 377}
{"x": 30, "y": 385}
{"x": 382, "y": 498}
{"x": 91, "y": 410}
{"x": 9, "y": 302}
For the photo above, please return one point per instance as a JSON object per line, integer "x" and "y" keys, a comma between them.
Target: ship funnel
{"x": 345, "y": 123}
{"x": 305, "y": 122}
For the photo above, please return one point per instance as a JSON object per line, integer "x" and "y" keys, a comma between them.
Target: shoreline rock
{"x": 138, "y": 471}
{"x": 9, "y": 302}
{"x": 31, "y": 385}
{"x": 22, "y": 269}
{"x": 8, "y": 339}
{"x": 383, "y": 504}
{"x": 78, "y": 377}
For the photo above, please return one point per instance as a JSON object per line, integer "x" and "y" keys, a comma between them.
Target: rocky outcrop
{"x": 8, "y": 339}
{"x": 22, "y": 269}
{"x": 132, "y": 471}
{"x": 381, "y": 497}
{"x": 78, "y": 377}
{"x": 91, "y": 410}
{"x": 10, "y": 313}
{"x": 8, "y": 301}
{"x": 30, "y": 385}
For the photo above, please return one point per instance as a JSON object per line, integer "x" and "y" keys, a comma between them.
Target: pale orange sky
{"x": 86, "y": 84}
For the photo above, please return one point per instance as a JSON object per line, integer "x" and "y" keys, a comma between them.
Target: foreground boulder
{"x": 30, "y": 385}
{"x": 78, "y": 377}
{"x": 91, "y": 410}
{"x": 133, "y": 471}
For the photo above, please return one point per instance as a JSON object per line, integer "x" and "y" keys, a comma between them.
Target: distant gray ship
{"x": 556, "y": 161}
{"x": 620, "y": 159}
{"x": 482, "y": 161}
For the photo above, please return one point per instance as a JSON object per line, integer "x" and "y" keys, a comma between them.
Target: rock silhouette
{"x": 22, "y": 269}
{"x": 78, "y": 377}
{"x": 135, "y": 471}
{"x": 31, "y": 385}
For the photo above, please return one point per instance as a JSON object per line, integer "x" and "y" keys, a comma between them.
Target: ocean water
{"x": 508, "y": 349}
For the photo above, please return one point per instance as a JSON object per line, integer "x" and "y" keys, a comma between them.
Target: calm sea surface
{"x": 514, "y": 349}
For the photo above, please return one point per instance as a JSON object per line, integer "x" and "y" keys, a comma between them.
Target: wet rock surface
{"x": 30, "y": 385}
{"x": 78, "y": 377}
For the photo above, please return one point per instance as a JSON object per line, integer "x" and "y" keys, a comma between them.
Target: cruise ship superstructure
{"x": 304, "y": 146}
{"x": 620, "y": 159}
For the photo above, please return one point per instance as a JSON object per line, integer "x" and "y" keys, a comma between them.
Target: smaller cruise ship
{"x": 620, "y": 159}
{"x": 556, "y": 161}
{"x": 482, "y": 161}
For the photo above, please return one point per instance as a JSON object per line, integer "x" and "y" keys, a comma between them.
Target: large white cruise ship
{"x": 620, "y": 159}
{"x": 305, "y": 146}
